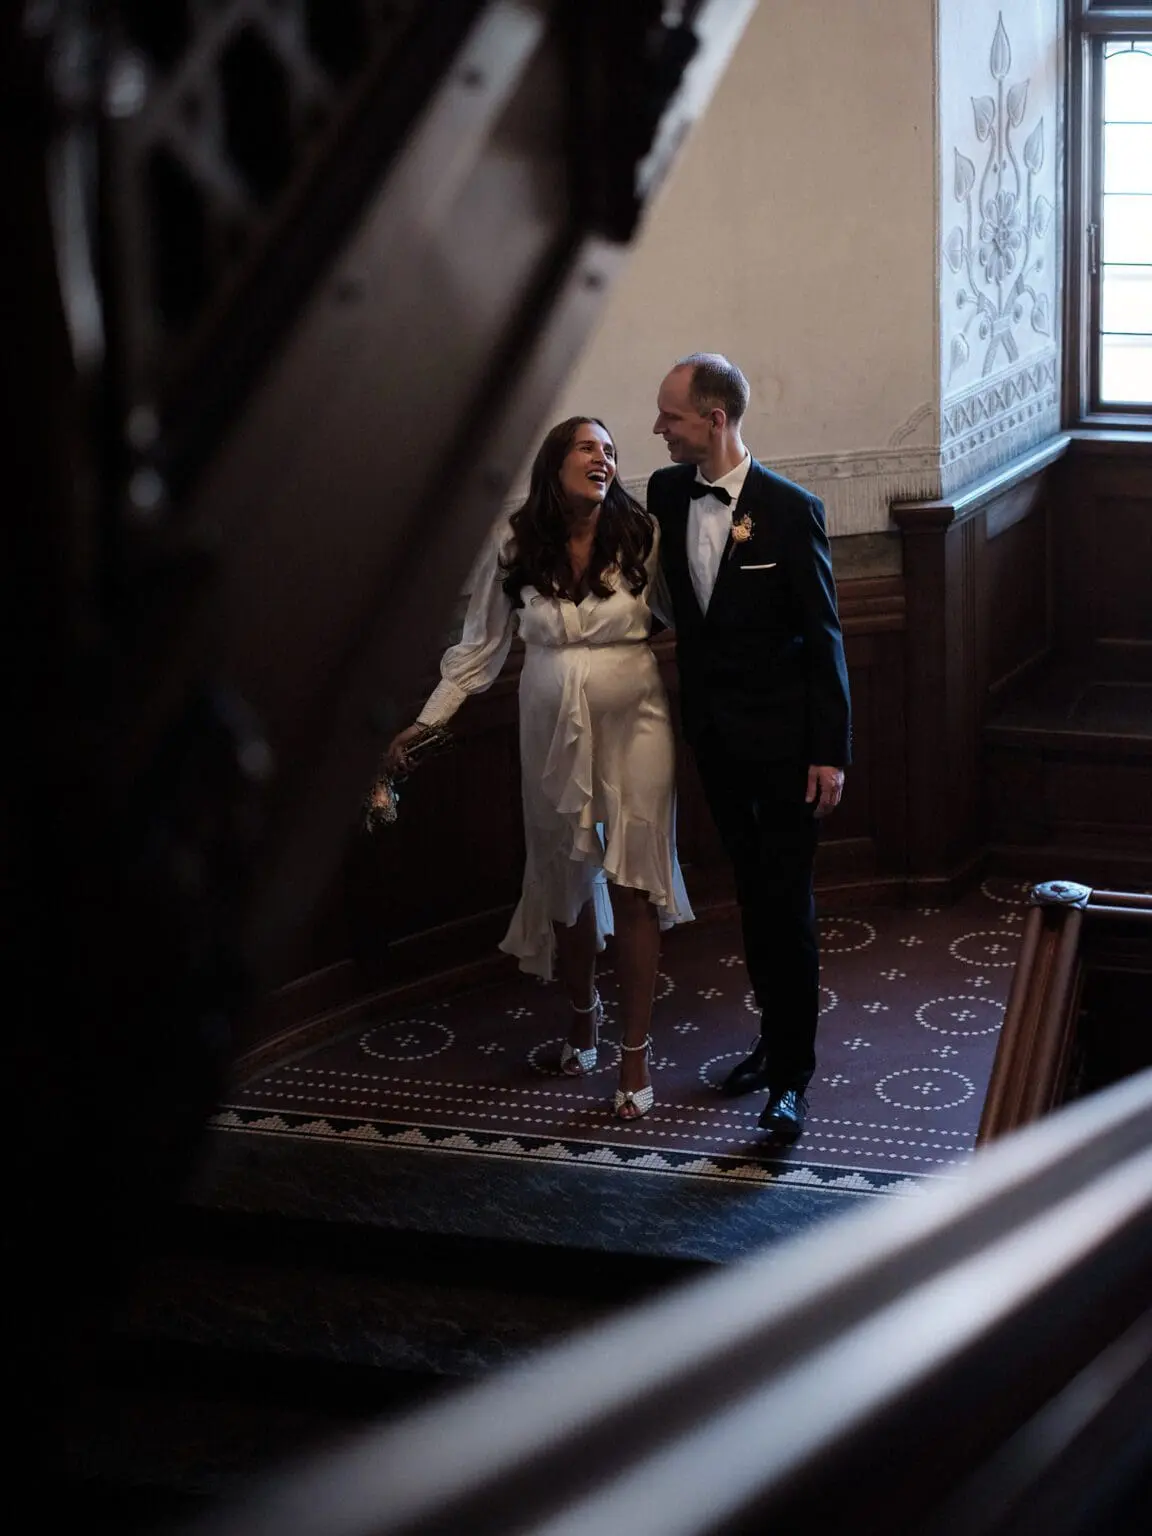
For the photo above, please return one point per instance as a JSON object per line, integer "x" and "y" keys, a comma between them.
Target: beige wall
{"x": 809, "y": 230}
{"x": 796, "y": 233}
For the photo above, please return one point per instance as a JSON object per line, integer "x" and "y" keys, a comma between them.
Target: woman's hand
{"x": 396, "y": 758}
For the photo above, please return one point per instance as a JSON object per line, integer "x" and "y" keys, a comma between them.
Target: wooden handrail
{"x": 1029, "y": 1074}
{"x": 773, "y": 1395}
{"x": 1137, "y": 900}
{"x": 1032, "y": 1054}
{"x": 1124, "y": 914}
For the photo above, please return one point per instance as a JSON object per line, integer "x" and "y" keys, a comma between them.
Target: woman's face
{"x": 589, "y": 467}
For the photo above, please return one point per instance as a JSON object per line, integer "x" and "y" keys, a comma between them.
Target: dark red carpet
{"x": 912, "y": 1004}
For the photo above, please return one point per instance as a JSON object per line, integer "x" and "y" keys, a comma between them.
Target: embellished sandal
{"x": 632, "y": 1103}
{"x": 575, "y": 1062}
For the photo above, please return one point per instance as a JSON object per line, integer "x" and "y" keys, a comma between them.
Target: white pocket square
{"x": 770, "y": 566}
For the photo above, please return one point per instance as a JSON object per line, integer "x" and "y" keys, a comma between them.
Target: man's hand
{"x": 825, "y": 786}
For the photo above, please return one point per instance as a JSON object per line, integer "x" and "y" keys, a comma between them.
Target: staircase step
{"x": 341, "y": 1244}
{"x": 253, "y": 1335}
{"x": 1068, "y": 710}
{"x": 389, "y": 1304}
{"x": 425, "y": 1328}
{"x": 1067, "y": 780}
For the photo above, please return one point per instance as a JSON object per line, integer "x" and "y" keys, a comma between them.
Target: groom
{"x": 764, "y": 703}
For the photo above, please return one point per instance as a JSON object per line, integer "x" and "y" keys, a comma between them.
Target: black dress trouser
{"x": 770, "y": 835}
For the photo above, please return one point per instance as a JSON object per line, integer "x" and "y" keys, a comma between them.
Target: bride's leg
{"x": 637, "y": 956}
{"x": 576, "y": 973}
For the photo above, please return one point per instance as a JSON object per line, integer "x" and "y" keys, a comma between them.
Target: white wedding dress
{"x": 597, "y": 757}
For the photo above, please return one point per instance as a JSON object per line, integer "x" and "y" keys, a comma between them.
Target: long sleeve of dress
{"x": 474, "y": 663}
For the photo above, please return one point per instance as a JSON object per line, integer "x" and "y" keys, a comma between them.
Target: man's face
{"x": 680, "y": 423}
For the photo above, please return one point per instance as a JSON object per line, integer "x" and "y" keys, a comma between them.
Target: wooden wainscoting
{"x": 1104, "y": 548}
{"x": 978, "y": 570}
{"x": 1068, "y": 758}
{"x": 419, "y": 907}
{"x": 862, "y": 849}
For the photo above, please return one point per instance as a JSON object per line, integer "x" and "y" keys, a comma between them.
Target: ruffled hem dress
{"x": 597, "y": 755}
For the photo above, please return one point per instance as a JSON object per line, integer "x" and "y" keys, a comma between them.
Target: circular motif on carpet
{"x": 407, "y": 1040}
{"x": 998, "y": 948}
{"x": 828, "y": 1001}
{"x": 925, "y": 1088}
{"x": 845, "y": 935}
{"x": 1006, "y": 893}
{"x": 712, "y": 1079}
{"x": 960, "y": 1014}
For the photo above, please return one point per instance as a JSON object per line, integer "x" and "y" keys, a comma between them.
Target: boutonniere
{"x": 742, "y": 529}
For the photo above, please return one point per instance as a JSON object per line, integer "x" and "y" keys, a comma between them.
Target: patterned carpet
{"x": 912, "y": 1001}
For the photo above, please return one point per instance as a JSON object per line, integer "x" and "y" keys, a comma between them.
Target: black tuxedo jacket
{"x": 762, "y": 673}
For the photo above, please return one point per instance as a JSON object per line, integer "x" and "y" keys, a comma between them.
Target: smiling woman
{"x": 579, "y": 523}
{"x": 571, "y": 572}
{"x": 589, "y": 466}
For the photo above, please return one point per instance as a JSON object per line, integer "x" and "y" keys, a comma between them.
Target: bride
{"x": 572, "y": 570}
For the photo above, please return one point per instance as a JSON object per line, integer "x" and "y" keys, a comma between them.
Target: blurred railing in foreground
{"x": 976, "y": 1359}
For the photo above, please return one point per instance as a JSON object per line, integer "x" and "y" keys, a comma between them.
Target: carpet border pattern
{"x": 752, "y": 1171}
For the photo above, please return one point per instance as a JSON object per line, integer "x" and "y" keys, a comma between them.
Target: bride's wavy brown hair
{"x": 538, "y": 556}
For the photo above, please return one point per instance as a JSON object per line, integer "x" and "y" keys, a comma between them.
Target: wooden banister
{"x": 1030, "y": 1072}
{"x": 917, "y": 1367}
{"x": 1032, "y": 1055}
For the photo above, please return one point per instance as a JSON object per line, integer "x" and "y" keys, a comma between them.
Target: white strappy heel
{"x": 629, "y": 1103}
{"x": 575, "y": 1062}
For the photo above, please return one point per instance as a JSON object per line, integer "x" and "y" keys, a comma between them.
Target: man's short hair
{"x": 716, "y": 383}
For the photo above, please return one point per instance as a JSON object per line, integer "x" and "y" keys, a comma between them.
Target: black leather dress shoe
{"x": 783, "y": 1117}
{"x": 749, "y": 1075}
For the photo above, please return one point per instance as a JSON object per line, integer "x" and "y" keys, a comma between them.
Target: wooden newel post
{"x": 1031, "y": 1063}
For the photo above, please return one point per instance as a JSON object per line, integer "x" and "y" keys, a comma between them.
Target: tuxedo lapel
{"x": 751, "y": 503}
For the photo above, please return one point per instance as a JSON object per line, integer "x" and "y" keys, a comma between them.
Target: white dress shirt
{"x": 709, "y": 522}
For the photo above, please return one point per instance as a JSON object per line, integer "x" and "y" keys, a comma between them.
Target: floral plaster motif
{"x": 1005, "y": 219}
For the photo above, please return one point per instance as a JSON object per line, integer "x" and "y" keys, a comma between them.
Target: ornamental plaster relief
{"x": 1001, "y": 123}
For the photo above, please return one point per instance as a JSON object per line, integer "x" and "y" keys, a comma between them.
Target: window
{"x": 1110, "y": 213}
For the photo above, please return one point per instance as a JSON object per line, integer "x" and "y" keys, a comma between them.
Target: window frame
{"x": 1089, "y": 25}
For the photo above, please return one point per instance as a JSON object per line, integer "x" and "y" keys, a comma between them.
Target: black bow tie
{"x": 698, "y": 488}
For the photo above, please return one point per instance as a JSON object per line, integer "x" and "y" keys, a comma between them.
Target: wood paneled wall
{"x": 1104, "y": 569}
{"x": 978, "y": 584}
{"x": 1068, "y": 766}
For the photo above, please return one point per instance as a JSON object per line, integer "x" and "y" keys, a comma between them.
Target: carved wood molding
{"x": 871, "y": 605}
